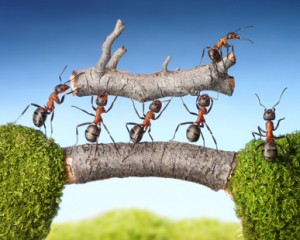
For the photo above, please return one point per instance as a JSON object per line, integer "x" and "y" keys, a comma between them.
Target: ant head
{"x": 233, "y": 35}
{"x": 155, "y": 106}
{"x": 101, "y": 99}
{"x": 269, "y": 114}
{"x": 60, "y": 88}
{"x": 203, "y": 100}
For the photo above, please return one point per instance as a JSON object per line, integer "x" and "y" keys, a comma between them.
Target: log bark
{"x": 91, "y": 162}
{"x": 104, "y": 76}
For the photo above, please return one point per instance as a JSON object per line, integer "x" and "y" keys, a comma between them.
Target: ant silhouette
{"x": 40, "y": 114}
{"x": 193, "y": 132}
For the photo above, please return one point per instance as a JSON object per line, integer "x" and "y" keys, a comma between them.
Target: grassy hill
{"x": 142, "y": 225}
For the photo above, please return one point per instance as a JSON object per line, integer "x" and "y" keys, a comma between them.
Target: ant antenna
{"x": 241, "y": 38}
{"x": 280, "y": 97}
{"x": 240, "y": 28}
{"x": 260, "y": 101}
{"x": 62, "y": 72}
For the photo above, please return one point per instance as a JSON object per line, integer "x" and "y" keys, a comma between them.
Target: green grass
{"x": 142, "y": 225}
{"x": 269, "y": 205}
{"x": 31, "y": 183}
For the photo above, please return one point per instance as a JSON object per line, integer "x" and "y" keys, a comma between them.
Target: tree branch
{"x": 184, "y": 161}
{"x": 146, "y": 87}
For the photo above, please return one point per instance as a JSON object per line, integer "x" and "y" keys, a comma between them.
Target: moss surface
{"x": 31, "y": 182}
{"x": 269, "y": 206}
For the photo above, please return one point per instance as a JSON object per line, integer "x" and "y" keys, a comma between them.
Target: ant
{"x": 138, "y": 130}
{"x": 269, "y": 147}
{"x": 193, "y": 132}
{"x": 215, "y": 53}
{"x": 40, "y": 114}
{"x": 93, "y": 130}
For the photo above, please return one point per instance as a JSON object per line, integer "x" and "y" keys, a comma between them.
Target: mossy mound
{"x": 269, "y": 205}
{"x": 31, "y": 182}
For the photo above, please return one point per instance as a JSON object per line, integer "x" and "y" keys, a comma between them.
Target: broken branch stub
{"x": 146, "y": 87}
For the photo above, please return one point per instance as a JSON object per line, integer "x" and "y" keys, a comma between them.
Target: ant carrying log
{"x": 138, "y": 130}
{"x": 40, "y": 114}
{"x": 269, "y": 146}
{"x": 193, "y": 132}
{"x": 93, "y": 129}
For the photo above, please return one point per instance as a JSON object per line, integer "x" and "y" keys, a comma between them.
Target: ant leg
{"x": 187, "y": 107}
{"x": 149, "y": 130}
{"x": 180, "y": 124}
{"x": 203, "y": 54}
{"x": 278, "y": 123}
{"x": 92, "y": 103}
{"x": 211, "y": 135}
{"x": 254, "y": 158}
{"x": 45, "y": 129}
{"x": 33, "y": 104}
{"x": 80, "y": 125}
{"x": 62, "y": 73}
{"x": 112, "y": 104}
{"x": 164, "y": 108}
{"x": 258, "y": 134}
{"x": 91, "y": 114}
{"x": 136, "y": 111}
{"x": 110, "y": 136}
{"x": 52, "y": 116}
{"x": 203, "y": 139}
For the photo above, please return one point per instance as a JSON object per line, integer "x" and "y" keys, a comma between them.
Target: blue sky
{"x": 38, "y": 38}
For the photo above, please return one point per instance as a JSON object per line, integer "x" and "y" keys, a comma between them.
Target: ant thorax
{"x": 269, "y": 114}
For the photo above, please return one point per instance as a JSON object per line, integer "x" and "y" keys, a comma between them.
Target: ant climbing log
{"x": 147, "y": 87}
{"x": 176, "y": 160}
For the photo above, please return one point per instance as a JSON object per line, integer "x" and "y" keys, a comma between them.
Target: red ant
{"x": 215, "y": 53}
{"x": 269, "y": 148}
{"x": 138, "y": 130}
{"x": 40, "y": 114}
{"x": 193, "y": 132}
{"x": 92, "y": 132}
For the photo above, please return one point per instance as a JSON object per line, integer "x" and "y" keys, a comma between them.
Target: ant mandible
{"x": 93, "y": 130}
{"x": 138, "y": 130}
{"x": 193, "y": 132}
{"x": 269, "y": 147}
{"x": 40, "y": 114}
{"x": 215, "y": 53}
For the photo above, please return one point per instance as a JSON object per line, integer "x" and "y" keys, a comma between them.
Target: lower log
{"x": 91, "y": 162}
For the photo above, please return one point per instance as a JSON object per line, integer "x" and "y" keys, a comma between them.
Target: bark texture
{"x": 145, "y": 87}
{"x": 209, "y": 167}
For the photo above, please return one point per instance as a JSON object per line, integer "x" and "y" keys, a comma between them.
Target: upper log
{"x": 145, "y": 87}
